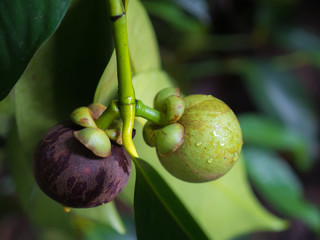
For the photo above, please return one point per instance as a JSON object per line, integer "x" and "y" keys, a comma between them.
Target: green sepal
{"x": 97, "y": 109}
{"x": 114, "y": 132}
{"x": 175, "y": 108}
{"x": 169, "y": 139}
{"x": 115, "y": 135}
{"x": 150, "y": 131}
{"x": 160, "y": 98}
{"x": 168, "y": 101}
{"x": 83, "y": 116}
{"x": 95, "y": 140}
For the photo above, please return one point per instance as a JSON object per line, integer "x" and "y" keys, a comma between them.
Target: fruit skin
{"x": 72, "y": 175}
{"x": 212, "y": 142}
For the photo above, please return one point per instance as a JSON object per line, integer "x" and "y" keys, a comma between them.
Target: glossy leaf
{"x": 96, "y": 231}
{"x": 263, "y": 131}
{"x": 142, "y": 42}
{"x": 56, "y": 82}
{"x": 169, "y": 218}
{"x": 25, "y": 25}
{"x": 281, "y": 96}
{"x": 148, "y": 84}
{"x": 107, "y": 86}
{"x": 274, "y": 179}
{"x": 143, "y": 49}
{"x": 106, "y": 215}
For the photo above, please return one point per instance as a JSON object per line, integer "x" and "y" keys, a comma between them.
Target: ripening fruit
{"x": 72, "y": 175}
{"x": 212, "y": 141}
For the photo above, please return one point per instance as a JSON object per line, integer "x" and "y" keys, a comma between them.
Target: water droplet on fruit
{"x": 209, "y": 160}
{"x": 235, "y": 157}
{"x": 198, "y": 144}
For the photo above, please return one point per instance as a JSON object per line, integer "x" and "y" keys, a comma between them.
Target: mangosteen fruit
{"x": 72, "y": 175}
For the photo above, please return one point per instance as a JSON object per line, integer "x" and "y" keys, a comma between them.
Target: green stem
{"x": 112, "y": 112}
{"x": 107, "y": 117}
{"x": 150, "y": 114}
{"x": 125, "y": 87}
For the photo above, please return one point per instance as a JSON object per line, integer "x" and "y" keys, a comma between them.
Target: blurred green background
{"x": 261, "y": 57}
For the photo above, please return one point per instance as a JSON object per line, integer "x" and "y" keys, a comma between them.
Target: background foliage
{"x": 260, "y": 57}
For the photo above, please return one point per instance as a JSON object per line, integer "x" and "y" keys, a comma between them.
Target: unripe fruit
{"x": 212, "y": 142}
{"x": 72, "y": 175}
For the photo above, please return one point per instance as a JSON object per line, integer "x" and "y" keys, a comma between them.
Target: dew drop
{"x": 235, "y": 157}
{"x": 209, "y": 160}
{"x": 198, "y": 144}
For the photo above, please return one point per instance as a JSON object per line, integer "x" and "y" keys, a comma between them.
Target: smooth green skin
{"x": 212, "y": 143}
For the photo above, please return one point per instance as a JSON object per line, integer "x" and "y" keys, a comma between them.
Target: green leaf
{"x": 227, "y": 207}
{"x": 107, "y": 86}
{"x": 25, "y": 25}
{"x": 281, "y": 96}
{"x": 148, "y": 84}
{"x": 142, "y": 42}
{"x": 274, "y": 179}
{"x": 6, "y": 114}
{"x": 60, "y": 78}
{"x": 169, "y": 218}
{"x": 143, "y": 49}
{"x": 56, "y": 82}
{"x": 96, "y": 231}
{"x": 106, "y": 215}
{"x": 263, "y": 131}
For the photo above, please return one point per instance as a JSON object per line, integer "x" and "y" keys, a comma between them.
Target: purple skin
{"x": 72, "y": 175}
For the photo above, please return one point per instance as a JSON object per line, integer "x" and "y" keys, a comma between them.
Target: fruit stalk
{"x": 125, "y": 88}
{"x": 150, "y": 114}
